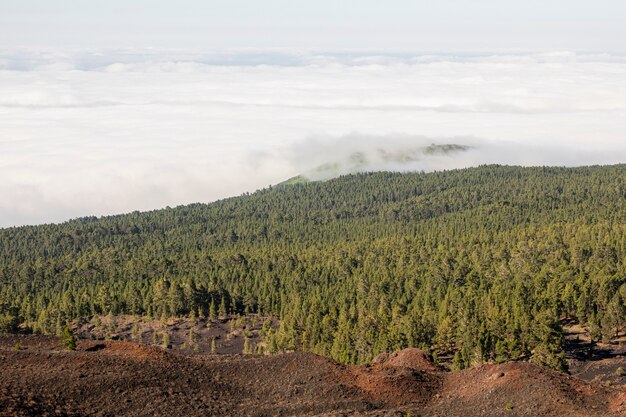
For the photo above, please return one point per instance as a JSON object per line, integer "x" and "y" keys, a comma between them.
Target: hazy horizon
{"x": 137, "y": 105}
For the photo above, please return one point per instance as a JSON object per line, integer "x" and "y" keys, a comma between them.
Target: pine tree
{"x": 212, "y": 310}
{"x": 457, "y": 362}
{"x": 247, "y": 349}
{"x": 68, "y": 340}
{"x": 222, "y": 310}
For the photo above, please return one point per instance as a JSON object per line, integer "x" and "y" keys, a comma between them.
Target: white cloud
{"x": 324, "y": 157}
{"x": 100, "y": 132}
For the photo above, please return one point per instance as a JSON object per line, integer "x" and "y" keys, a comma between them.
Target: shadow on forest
{"x": 585, "y": 351}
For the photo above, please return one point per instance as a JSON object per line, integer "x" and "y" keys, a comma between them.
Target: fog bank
{"x": 95, "y": 132}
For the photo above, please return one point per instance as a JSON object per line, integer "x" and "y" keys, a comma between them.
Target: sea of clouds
{"x": 95, "y": 132}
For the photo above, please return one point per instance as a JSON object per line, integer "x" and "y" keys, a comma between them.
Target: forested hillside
{"x": 481, "y": 263}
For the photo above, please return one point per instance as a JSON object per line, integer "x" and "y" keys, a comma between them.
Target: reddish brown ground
{"x": 121, "y": 378}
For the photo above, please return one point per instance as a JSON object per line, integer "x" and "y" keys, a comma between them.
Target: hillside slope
{"x": 479, "y": 264}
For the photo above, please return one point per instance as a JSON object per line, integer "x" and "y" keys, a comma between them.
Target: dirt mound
{"x": 527, "y": 389}
{"x": 412, "y": 358}
{"x": 394, "y": 386}
{"x": 121, "y": 378}
{"x": 397, "y": 379}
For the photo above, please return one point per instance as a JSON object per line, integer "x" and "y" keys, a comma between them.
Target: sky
{"x": 110, "y": 107}
{"x": 426, "y": 26}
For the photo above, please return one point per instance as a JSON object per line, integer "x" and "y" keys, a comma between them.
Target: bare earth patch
{"x": 107, "y": 378}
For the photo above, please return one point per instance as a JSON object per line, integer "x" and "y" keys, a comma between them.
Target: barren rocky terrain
{"x": 603, "y": 363}
{"x": 225, "y": 335}
{"x": 107, "y": 378}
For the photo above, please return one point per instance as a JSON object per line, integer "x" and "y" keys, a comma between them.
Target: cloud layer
{"x": 109, "y": 131}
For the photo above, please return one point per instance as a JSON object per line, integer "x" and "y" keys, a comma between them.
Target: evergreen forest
{"x": 474, "y": 264}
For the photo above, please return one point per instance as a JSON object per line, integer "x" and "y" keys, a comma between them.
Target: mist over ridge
{"x": 103, "y": 131}
{"x": 324, "y": 157}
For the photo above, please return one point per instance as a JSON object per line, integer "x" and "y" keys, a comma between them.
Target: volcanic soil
{"x": 113, "y": 378}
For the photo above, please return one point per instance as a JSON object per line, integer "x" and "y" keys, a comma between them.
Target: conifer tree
{"x": 68, "y": 340}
